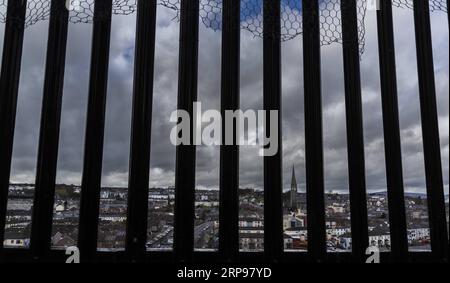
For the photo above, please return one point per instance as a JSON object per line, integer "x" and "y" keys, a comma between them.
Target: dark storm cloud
{"x": 74, "y": 107}
{"x": 29, "y": 103}
{"x": 118, "y": 115}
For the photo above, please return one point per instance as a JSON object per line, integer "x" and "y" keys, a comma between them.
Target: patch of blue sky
{"x": 250, "y": 9}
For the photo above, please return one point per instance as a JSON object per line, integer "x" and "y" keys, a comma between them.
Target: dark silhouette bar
{"x": 9, "y": 86}
{"x": 138, "y": 187}
{"x": 313, "y": 131}
{"x": 95, "y": 127}
{"x": 355, "y": 136}
{"x": 430, "y": 131}
{"x": 41, "y": 228}
{"x": 391, "y": 125}
{"x": 185, "y": 154}
{"x": 273, "y": 210}
{"x": 229, "y": 154}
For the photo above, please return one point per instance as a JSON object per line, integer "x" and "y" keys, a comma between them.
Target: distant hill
{"x": 416, "y": 195}
{"x": 407, "y": 194}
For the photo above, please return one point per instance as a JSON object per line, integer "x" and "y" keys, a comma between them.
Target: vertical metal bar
{"x": 355, "y": 136}
{"x": 448, "y": 23}
{"x": 9, "y": 86}
{"x": 391, "y": 126}
{"x": 313, "y": 131}
{"x": 229, "y": 154}
{"x": 49, "y": 133}
{"x": 185, "y": 154}
{"x": 141, "y": 129}
{"x": 273, "y": 211}
{"x": 95, "y": 127}
{"x": 430, "y": 130}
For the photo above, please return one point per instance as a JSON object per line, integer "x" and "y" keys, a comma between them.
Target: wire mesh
{"x": 3, "y": 10}
{"x": 435, "y": 5}
{"x": 82, "y": 11}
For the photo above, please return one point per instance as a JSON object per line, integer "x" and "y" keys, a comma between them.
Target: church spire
{"x": 293, "y": 193}
{"x": 293, "y": 180}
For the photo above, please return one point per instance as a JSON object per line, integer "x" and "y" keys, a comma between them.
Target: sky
{"x": 118, "y": 112}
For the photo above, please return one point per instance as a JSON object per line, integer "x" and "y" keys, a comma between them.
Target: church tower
{"x": 293, "y": 193}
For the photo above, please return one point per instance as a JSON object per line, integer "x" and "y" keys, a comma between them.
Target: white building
{"x": 418, "y": 234}
{"x": 16, "y": 243}
{"x": 292, "y": 221}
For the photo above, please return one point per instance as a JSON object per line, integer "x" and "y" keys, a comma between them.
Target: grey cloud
{"x": 118, "y": 115}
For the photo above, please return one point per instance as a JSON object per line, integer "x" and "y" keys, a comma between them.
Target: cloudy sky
{"x": 118, "y": 113}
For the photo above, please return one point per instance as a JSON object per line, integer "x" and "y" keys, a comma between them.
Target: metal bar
{"x": 273, "y": 210}
{"x": 391, "y": 125}
{"x": 185, "y": 154}
{"x": 313, "y": 131}
{"x": 229, "y": 154}
{"x": 9, "y": 86}
{"x": 141, "y": 129}
{"x": 430, "y": 131}
{"x": 95, "y": 127}
{"x": 355, "y": 136}
{"x": 41, "y": 228}
{"x": 448, "y": 23}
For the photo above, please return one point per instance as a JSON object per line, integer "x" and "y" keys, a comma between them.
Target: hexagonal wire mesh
{"x": 435, "y": 5}
{"x": 3, "y": 10}
{"x": 81, "y": 11}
